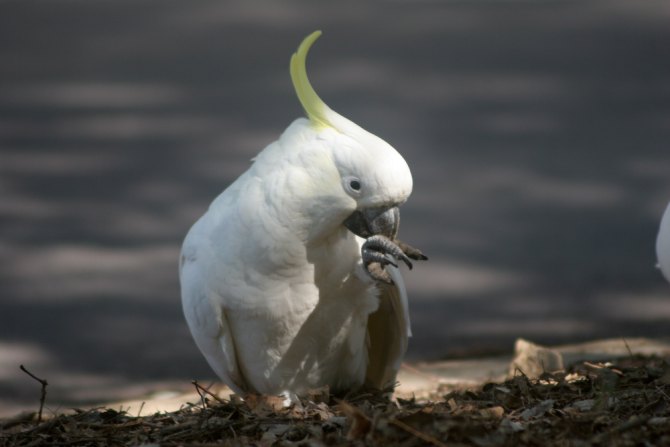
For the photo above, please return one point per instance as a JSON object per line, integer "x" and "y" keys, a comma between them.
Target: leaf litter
{"x": 622, "y": 402}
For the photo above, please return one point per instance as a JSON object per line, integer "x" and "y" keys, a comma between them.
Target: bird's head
{"x": 373, "y": 177}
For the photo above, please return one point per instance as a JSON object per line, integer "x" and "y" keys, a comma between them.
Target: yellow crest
{"x": 316, "y": 109}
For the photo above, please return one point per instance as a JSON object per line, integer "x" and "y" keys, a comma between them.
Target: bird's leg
{"x": 379, "y": 251}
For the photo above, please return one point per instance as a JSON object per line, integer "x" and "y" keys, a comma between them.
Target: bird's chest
{"x": 315, "y": 335}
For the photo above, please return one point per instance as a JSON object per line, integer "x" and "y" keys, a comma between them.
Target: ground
{"x": 623, "y": 401}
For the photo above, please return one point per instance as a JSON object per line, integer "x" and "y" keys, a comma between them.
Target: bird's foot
{"x": 411, "y": 252}
{"x": 379, "y": 251}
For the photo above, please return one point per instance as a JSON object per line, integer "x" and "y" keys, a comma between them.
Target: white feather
{"x": 663, "y": 244}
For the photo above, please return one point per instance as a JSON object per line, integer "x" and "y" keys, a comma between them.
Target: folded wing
{"x": 388, "y": 333}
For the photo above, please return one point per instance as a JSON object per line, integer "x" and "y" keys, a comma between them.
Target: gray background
{"x": 537, "y": 133}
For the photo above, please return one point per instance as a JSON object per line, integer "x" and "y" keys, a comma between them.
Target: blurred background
{"x": 537, "y": 132}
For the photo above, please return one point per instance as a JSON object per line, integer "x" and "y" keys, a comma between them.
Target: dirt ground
{"x": 622, "y": 402}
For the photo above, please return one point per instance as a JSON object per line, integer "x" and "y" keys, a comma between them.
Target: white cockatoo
{"x": 663, "y": 244}
{"x": 290, "y": 281}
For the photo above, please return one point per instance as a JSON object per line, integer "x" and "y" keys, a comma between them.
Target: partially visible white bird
{"x": 663, "y": 244}
{"x": 290, "y": 281}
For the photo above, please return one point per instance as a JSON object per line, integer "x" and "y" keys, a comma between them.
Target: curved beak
{"x": 372, "y": 221}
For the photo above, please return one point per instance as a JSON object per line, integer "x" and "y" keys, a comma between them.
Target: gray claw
{"x": 378, "y": 252}
{"x": 370, "y": 256}
{"x": 413, "y": 253}
{"x": 385, "y": 245}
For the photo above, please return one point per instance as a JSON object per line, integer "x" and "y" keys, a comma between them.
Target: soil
{"x": 622, "y": 402}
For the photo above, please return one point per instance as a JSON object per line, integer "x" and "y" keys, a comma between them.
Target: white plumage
{"x": 274, "y": 286}
{"x": 663, "y": 244}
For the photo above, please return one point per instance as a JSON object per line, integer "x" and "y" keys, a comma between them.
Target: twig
{"x": 630, "y": 352}
{"x": 44, "y": 391}
{"x": 417, "y": 433}
{"x": 200, "y": 389}
{"x": 517, "y": 369}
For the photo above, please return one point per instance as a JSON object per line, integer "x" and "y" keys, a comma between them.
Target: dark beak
{"x": 373, "y": 221}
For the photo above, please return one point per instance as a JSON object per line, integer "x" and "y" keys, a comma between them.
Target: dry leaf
{"x": 493, "y": 412}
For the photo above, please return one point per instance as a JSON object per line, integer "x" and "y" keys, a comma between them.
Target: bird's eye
{"x": 352, "y": 185}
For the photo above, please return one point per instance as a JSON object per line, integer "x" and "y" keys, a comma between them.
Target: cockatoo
{"x": 290, "y": 280}
{"x": 663, "y": 244}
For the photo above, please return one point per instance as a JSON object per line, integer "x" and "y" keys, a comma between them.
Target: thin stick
{"x": 44, "y": 391}
{"x": 630, "y": 353}
{"x": 140, "y": 410}
{"x": 200, "y": 388}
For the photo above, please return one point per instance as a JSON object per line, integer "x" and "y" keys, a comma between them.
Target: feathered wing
{"x": 663, "y": 244}
{"x": 388, "y": 333}
{"x": 209, "y": 325}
